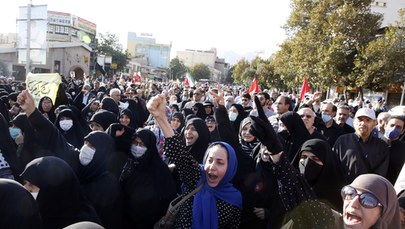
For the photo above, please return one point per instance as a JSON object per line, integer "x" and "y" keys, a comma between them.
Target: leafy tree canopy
{"x": 108, "y": 44}
{"x": 200, "y": 71}
{"x": 177, "y": 68}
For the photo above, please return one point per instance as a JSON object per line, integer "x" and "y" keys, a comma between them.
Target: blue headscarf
{"x": 205, "y": 214}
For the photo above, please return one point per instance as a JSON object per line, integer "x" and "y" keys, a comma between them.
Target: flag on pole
{"x": 254, "y": 87}
{"x": 304, "y": 88}
{"x": 189, "y": 80}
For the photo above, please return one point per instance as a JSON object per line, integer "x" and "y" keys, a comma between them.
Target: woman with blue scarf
{"x": 217, "y": 204}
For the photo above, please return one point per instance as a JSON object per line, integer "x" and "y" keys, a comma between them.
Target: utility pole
{"x": 28, "y": 48}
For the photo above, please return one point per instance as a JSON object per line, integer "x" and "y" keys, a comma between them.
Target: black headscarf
{"x": 329, "y": 180}
{"x": 200, "y": 146}
{"x": 76, "y": 133}
{"x": 7, "y": 147}
{"x": 201, "y": 110}
{"x": 110, "y": 105}
{"x": 122, "y": 147}
{"x": 147, "y": 183}
{"x": 241, "y": 115}
{"x": 51, "y": 113}
{"x": 130, "y": 115}
{"x": 179, "y": 116}
{"x": 104, "y": 118}
{"x": 98, "y": 165}
{"x": 19, "y": 209}
{"x": 60, "y": 199}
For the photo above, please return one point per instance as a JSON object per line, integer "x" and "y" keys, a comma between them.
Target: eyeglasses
{"x": 195, "y": 109}
{"x": 366, "y": 199}
{"x": 306, "y": 116}
{"x": 244, "y": 100}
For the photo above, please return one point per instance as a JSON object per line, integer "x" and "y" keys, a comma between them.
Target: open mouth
{"x": 189, "y": 139}
{"x": 351, "y": 219}
{"x": 265, "y": 156}
{"x": 211, "y": 178}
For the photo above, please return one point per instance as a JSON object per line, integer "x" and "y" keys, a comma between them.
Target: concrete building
{"x": 389, "y": 8}
{"x": 145, "y": 51}
{"x": 63, "y": 57}
{"x": 70, "y": 43}
{"x": 191, "y": 57}
{"x": 219, "y": 68}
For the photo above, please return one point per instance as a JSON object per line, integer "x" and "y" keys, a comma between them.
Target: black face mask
{"x": 284, "y": 134}
{"x": 310, "y": 170}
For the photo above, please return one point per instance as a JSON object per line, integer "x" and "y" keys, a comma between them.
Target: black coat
{"x": 19, "y": 210}
{"x": 148, "y": 185}
{"x": 60, "y": 200}
{"x": 99, "y": 185}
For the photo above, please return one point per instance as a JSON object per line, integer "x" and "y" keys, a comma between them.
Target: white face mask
{"x": 138, "y": 151}
{"x": 86, "y": 155}
{"x": 66, "y": 124}
{"x": 232, "y": 116}
{"x": 34, "y": 194}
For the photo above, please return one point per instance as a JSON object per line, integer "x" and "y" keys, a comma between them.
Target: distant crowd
{"x": 114, "y": 154}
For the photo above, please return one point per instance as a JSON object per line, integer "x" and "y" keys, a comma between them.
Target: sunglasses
{"x": 195, "y": 109}
{"x": 305, "y": 116}
{"x": 366, "y": 199}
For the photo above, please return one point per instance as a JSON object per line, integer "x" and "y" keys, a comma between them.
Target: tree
{"x": 381, "y": 63}
{"x": 177, "y": 68}
{"x": 109, "y": 45}
{"x": 240, "y": 71}
{"x": 200, "y": 71}
{"x": 326, "y": 39}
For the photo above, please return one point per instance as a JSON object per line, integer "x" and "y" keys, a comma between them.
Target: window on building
{"x": 57, "y": 29}
{"x": 51, "y": 28}
{"x": 66, "y": 30}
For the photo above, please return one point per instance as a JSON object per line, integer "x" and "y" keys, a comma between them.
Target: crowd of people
{"x": 114, "y": 154}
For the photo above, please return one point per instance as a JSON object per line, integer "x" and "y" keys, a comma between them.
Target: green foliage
{"x": 333, "y": 42}
{"x": 200, "y": 71}
{"x": 178, "y": 68}
{"x": 243, "y": 72}
{"x": 381, "y": 62}
{"x": 109, "y": 45}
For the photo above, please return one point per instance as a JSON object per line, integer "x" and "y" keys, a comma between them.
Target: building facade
{"x": 218, "y": 67}
{"x": 70, "y": 43}
{"x": 146, "y": 51}
{"x": 389, "y": 8}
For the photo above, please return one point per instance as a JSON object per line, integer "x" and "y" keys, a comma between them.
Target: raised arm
{"x": 51, "y": 139}
{"x": 174, "y": 148}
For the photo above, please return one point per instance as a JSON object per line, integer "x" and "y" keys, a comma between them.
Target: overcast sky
{"x": 239, "y": 26}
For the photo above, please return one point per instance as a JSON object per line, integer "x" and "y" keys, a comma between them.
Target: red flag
{"x": 186, "y": 80}
{"x": 254, "y": 87}
{"x": 304, "y": 88}
{"x": 134, "y": 76}
{"x": 139, "y": 77}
